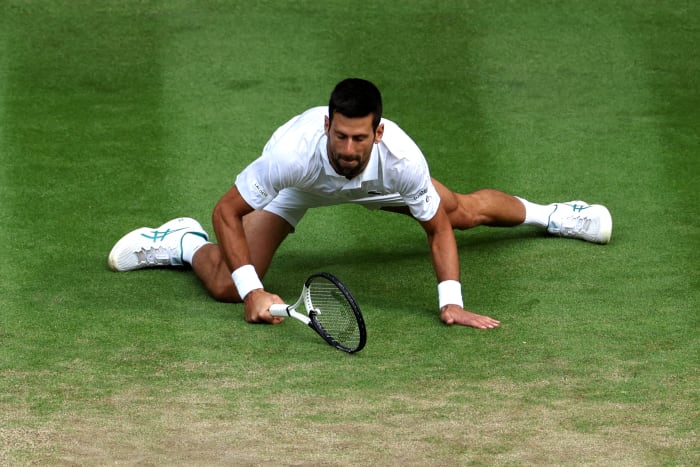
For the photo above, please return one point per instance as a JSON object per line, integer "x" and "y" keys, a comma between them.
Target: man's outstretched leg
{"x": 574, "y": 219}
{"x": 184, "y": 241}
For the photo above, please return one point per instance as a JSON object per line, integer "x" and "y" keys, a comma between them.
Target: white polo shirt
{"x": 294, "y": 173}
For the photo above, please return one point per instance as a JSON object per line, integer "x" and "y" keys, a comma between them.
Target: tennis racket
{"x": 331, "y": 311}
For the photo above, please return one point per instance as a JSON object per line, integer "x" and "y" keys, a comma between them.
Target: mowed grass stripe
{"x": 83, "y": 116}
{"x": 669, "y": 280}
{"x": 82, "y": 154}
{"x": 565, "y": 97}
{"x": 232, "y": 74}
{"x": 5, "y": 156}
{"x": 82, "y": 128}
{"x": 672, "y": 70}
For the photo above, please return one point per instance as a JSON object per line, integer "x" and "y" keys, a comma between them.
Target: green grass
{"x": 115, "y": 115}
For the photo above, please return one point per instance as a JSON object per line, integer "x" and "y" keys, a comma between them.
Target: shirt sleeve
{"x": 281, "y": 165}
{"x": 277, "y": 168}
{"x": 409, "y": 174}
{"x": 416, "y": 188}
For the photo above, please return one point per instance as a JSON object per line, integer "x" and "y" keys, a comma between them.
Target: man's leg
{"x": 575, "y": 219}
{"x": 265, "y": 232}
{"x": 484, "y": 207}
{"x": 183, "y": 240}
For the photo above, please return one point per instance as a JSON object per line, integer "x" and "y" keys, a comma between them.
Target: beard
{"x": 347, "y": 166}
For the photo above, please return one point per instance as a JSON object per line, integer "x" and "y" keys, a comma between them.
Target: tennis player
{"x": 343, "y": 153}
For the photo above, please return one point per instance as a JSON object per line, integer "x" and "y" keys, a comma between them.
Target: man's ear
{"x": 379, "y": 133}
{"x": 327, "y": 125}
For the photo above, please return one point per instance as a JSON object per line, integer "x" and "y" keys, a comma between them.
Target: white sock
{"x": 536, "y": 214}
{"x": 191, "y": 242}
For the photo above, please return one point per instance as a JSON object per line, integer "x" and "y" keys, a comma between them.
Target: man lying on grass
{"x": 343, "y": 153}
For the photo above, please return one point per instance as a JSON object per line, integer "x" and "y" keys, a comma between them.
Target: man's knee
{"x": 464, "y": 210}
{"x": 265, "y": 232}
{"x": 223, "y": 291}
{"x": 463, "y": 219}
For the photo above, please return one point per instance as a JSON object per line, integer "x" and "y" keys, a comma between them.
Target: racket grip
{"x": 278, "y": 309}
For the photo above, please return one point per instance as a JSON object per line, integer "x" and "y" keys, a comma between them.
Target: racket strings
{"x": 334, "y": 313}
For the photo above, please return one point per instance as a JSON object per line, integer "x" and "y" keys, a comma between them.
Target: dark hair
{"x": 354, "y": 98}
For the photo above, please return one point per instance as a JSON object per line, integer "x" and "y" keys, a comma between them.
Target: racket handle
{"x": 278, "y": 309}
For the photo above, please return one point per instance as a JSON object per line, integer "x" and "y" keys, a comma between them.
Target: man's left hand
{"x": 455, "y": 314}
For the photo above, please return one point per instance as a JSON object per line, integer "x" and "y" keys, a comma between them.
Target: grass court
{"x": 120, "y": 114}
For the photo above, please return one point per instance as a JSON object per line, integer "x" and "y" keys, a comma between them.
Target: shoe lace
{"x": 156, "y": 256}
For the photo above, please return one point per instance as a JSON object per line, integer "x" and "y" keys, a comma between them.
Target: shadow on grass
{"x": 473, "y": 242}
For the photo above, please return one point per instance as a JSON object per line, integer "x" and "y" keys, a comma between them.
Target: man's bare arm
{"x": 445, "y": 257}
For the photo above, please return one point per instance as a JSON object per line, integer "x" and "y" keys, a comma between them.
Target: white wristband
{"x": 246, "y": 280}
{"x": 450, "y": 293}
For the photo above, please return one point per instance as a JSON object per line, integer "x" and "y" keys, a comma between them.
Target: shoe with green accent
{"x": 577, "y": 219}
{"x": 148, "y": 247}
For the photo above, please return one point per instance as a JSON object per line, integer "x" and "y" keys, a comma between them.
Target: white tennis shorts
{"x": 291, "y": 204}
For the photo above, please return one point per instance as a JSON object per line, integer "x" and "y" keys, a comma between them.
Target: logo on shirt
{"x": 420, "y": 193}
{"x": 260, "y": 190}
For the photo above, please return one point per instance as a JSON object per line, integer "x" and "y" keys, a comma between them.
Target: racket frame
{"x": 310, "y": 318}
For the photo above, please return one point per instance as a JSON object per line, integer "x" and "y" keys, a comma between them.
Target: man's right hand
{"x": 257, "y": 307}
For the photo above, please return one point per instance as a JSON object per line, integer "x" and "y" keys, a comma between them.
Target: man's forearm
{"x": 227, "y": 220}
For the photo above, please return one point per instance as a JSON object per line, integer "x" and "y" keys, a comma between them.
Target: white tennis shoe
{"x": 577, "y": 219}
{"x": 147, "y": 247}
